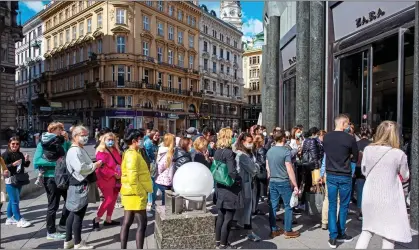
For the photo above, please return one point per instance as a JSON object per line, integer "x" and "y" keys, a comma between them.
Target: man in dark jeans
{"x": 54, "y": 194}
{"x": 341, "y": 149}
{"x": 280, "y": 173}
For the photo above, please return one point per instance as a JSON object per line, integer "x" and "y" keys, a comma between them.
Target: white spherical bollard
{"x": 193, "y": 179}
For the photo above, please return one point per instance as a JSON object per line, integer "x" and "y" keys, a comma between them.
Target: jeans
{"x": 54, "y": 194}
{"x": 342, "y": 185}
{"x": 223, "y": 225}
{"x": 14, "y": 199}
{"x": 279, "y": 190}
{"x": 359, "y": 187}
{"x": 151, "y": 198}
{"x": 163, "y": 189}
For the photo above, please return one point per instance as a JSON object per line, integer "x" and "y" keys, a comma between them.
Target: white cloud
{"x": 246, "y": 38}
{"x": 34, "y": 5}
{"x": 252, "y": 27}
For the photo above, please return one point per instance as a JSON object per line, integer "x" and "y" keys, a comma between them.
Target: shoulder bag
{"x": 219, "y": 171}
{"x": 118, "y": 169}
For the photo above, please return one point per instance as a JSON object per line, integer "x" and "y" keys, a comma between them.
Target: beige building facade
{"x": 115, "y": 64}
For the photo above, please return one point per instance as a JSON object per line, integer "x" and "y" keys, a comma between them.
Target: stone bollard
{"x": 182, "y": 226}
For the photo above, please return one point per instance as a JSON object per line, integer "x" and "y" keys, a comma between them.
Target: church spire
{"x": 231, "y": 12}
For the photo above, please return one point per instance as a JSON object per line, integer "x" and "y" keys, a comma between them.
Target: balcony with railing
{"x": 144, "y": 86}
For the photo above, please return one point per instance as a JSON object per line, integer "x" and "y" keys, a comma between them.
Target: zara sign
{"x": 350, "y": 17}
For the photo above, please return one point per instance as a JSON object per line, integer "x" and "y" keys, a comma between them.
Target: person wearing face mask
{"x": 165, "y": 171}
{"x": 296, "y": 145}
{"x": 246, "y": 162}
{"x": 136, "y": 183}
{"x": 108, "y": 178}
{"x": 46, "y": 162}
{"x": 16, "y": 163}
{"x": 81, "y": 185}
{"x": 340, "y": 150}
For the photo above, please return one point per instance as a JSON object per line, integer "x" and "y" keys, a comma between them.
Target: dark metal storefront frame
{"x": 403, "y": 20}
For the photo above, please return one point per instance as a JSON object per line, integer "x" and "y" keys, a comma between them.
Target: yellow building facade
{"x": 115, "y": 64}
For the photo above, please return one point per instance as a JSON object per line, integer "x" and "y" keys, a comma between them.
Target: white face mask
{"x": 264, "y": 133}
{"x": 141, "y": 143}
{"x": 83, "y": 140}
{"x": 249, "y": 146}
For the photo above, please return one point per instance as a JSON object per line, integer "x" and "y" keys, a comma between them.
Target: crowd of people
{"x": 282, "y": 168}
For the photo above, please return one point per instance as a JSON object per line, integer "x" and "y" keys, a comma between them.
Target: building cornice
{"x": 223, "y": 23}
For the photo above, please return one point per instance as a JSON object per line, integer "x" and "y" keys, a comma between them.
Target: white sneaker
{"x": 68, "y": 244}
{"x": 11, "y": 221}
{"x": 23, "y": 223}
{"x": 83, "y": 245}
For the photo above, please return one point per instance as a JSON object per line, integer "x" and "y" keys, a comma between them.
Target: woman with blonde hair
{"x": 108, "y": 178}
{"x": 227, "y": 196}
{"x": 81, "y": 183}
{"x": 165, "y": 169}
{"x": 385, "y": 166}
{"x": 200, "y": 153}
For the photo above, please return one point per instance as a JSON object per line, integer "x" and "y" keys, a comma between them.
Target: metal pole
{"x": 29, "y": 85}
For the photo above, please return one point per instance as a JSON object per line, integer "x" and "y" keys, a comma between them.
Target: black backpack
{"x": 62, "y": 175}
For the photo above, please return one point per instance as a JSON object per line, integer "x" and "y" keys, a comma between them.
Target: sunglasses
{"x": 15, "y": 144}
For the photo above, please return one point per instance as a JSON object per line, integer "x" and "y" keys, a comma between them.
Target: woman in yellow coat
{"x": 136, "y": 183}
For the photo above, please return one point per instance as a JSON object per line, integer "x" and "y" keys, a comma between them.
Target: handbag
{"x": 219, "y": 171}
{"x": 20, "y": 179}
{"x": 118, "y": 169}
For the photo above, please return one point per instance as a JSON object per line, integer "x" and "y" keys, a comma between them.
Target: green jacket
{"x": 48, "y": 166}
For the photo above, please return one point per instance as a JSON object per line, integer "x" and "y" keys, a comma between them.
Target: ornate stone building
{"x": 30, "y": 66}
{"x": 117, "y": 64}
{"x": 221, "y": 71}
{"x": 10, "y": 33}
{"x": 252, "y": 61}
{"x": 231, "y": 12}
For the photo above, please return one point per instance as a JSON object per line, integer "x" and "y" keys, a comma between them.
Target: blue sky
{"x": 251, "y": 10}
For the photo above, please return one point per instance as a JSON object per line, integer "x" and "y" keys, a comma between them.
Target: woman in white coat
{"x": 383, "y": 205}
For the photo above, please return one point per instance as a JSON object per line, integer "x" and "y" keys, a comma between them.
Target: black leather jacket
{"x": 261, "y": 161}
{"x": 181, "y": 157}
{"x": 315, "y": 148}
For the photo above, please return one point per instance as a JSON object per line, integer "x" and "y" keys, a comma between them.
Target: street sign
{"x": 56, "y": 104}
{"x": 45, "y": 109}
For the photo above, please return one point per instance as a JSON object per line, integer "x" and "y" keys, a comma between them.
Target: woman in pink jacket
{"x": 165, "y": 170}
{"x": 108, "y": 178}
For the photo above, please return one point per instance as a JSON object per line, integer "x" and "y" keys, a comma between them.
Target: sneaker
{"x": 253, "y": 237}
{"x": 296, "y": 211}
{"x": 360, "y": 217}
{"x": 23, "y": 223}
{"x": 68, "y": 244}
{"x": 11, "y": 221}
{"x": 324, "y": 226}
{"x": 56, "y": 236}
{"x": 39, "y": 183}
{"x": 227, "y": 247}
{"x": 118, "y": 205}
{"x": 83, "y": 245}
{"x": 292, "y": 234}
{"x": 150, "y": 215}
{"x": 95, "y": 226}
{"x": 344, "y": 238}
{"x": 277, "y": 233}
{"x": 332, "y": 243}
{"x": 61, "y": 229}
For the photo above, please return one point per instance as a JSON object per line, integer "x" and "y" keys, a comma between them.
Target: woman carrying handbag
{"x": 16, "y": 163}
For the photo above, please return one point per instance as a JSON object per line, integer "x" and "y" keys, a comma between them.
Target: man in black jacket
{"x": 340, "y": 149}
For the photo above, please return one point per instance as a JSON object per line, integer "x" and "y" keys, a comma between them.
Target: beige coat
{"x": 2, "y": 185}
